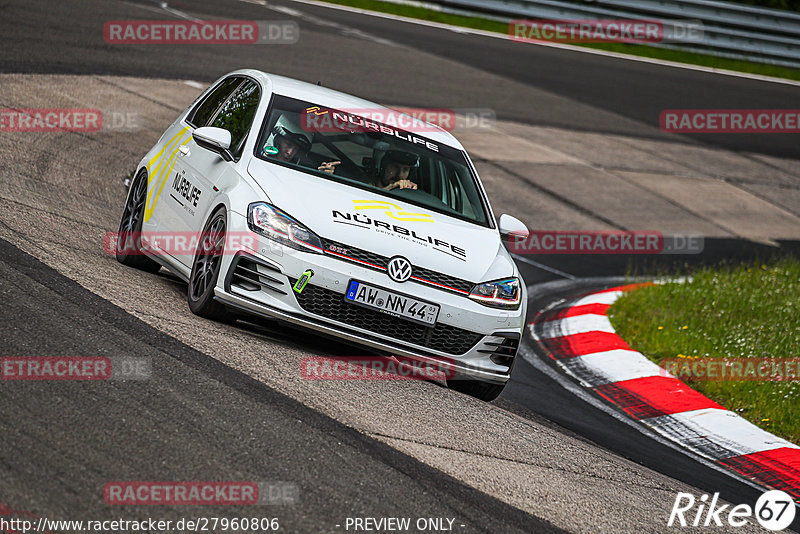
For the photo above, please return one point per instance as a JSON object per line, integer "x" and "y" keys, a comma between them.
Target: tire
{"x": 129, "y": 250}
{"x": 205, "y": 269}
{"x": 485, "y": 391}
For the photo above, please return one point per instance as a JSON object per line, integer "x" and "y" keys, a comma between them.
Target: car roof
{"x": 335, "y": 99}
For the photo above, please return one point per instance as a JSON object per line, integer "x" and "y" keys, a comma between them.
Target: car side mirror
{"x": 217, "y": 140}
{"x": 512, "y": 228}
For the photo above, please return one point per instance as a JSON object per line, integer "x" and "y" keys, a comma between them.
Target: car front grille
{"x": 376, "y": 262}
{"x": 330, "y": 304}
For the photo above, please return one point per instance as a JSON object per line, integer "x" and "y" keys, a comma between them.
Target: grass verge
{"x": 750, "y": 311}
{"x": 480, "y": 23}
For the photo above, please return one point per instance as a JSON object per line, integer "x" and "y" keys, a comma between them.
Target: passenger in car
{"x": 395, "y": 170}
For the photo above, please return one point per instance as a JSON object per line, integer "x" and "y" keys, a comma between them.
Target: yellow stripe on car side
{"x": 159, "y": 173}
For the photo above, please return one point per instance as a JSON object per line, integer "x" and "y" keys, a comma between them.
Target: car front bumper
{"x": 475, "y": 341}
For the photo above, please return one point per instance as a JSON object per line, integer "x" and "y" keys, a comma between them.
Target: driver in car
{"x": 291, "y": 143}
{"x": 395, "y": 168}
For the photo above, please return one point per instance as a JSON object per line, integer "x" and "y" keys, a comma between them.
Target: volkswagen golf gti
{"x": 273, "y": 197}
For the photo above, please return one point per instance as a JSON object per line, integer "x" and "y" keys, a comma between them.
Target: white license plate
{"x": 392, "y": 303}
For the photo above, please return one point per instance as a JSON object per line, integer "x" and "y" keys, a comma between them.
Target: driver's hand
{"x": 402, "y": 184}
{"x": 328, "y": 167}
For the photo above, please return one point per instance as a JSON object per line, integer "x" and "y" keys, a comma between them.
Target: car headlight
{"x": 273, "y": 223}
{"x": 498, "y": 294}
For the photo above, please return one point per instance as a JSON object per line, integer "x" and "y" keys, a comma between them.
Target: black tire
{"x": 205, "y": 269}
{"x": 485, "y": 391}
{"x": 129, "y": 250}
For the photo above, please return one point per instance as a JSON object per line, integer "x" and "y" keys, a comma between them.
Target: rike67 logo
{"x": 774, "y": 510}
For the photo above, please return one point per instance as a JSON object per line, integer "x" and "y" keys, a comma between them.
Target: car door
{"x": 198, "y": 170}
{"x": 160, "y": 215}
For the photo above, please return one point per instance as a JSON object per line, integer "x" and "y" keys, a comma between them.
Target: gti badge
{"x": 399, "y": 269}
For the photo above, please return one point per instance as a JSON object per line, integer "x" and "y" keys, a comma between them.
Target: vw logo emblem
{"x": 399, "y": 269}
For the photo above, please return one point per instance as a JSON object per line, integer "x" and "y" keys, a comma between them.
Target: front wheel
{"x": 485, "y": 391}
{"x": 205, "y": 269}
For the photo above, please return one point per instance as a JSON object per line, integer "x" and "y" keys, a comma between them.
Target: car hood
{"x": 383, "y": 225}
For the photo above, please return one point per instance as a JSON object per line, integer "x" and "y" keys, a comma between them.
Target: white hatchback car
{"x": 300, "y": 205}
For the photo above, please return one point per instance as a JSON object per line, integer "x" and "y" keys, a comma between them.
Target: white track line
{"x": 723, "y": 428}
{"x": 606, "y": 297}
{"x": 578, "y": 324}
{"x": 616, "y": 366}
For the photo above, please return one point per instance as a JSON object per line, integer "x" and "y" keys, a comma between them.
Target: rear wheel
{"x": 485, "y": 391}
{"x": 129, "y": 237}
{"x": 205, "y": 269}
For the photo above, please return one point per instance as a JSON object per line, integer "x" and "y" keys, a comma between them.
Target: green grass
{"x": 725, "y": 312}
{"x": 479, "y": 23}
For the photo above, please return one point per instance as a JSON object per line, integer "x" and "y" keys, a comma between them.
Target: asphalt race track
{"x": 210, "y": 421}
{"x": 226, "y": 401}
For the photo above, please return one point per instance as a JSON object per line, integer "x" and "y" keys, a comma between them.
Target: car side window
{"x": 207, "y": 108}
{"x": 237, "y": 113}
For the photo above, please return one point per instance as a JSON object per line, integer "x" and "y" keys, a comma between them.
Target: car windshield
{"x": 392, "y": 157}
